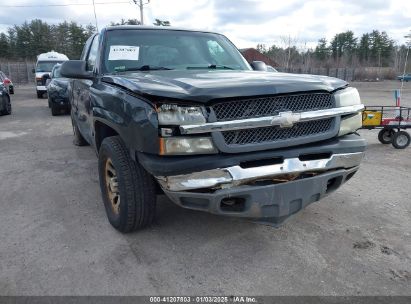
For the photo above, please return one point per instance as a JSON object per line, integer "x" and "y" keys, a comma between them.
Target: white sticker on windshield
{"x": 123, "y": 52}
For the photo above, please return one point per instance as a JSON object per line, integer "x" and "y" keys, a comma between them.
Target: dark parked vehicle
{"x": 7, "y": 82}
{"x": 405, "y": 77}
{"x": 57, "y": 92}
{"x": 5, "y": 104}
{"x": 182, "y": 113}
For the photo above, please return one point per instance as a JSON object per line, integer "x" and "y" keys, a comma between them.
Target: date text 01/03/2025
{"x": 203, "y": 299}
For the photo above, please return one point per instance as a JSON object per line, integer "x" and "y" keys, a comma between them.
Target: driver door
{"x": 81, "y": 93}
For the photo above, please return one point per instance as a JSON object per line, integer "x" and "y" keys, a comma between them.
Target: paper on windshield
{"x": 123, "y": 52}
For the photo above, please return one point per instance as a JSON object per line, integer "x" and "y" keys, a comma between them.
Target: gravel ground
{"x": 55, "y": 238}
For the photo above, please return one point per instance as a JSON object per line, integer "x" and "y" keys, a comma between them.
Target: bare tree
{"x": 288, "y": 43}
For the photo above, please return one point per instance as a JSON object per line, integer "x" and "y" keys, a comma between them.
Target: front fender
{"x": 111, "y": 119}
{"x": 142, "y": 125}
{"x": 133, "y": 118}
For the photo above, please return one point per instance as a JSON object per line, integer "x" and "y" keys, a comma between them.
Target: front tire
{"x": 128, "y": 191}
{"x": 401, "y": 140}
{"x": 54, "y": 110}
{"x": 385, "y": 136}
{"x": 39, "y": 94}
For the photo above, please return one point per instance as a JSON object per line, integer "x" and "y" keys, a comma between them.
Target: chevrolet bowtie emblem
{"x": 286, "y": 119}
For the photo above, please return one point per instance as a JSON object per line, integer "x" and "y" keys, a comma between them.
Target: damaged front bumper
{"x": 288, "y": 169}
{"x": 263, "y": 186}
{"x": 269, "y": 203}
{"x": 268, "y": 194}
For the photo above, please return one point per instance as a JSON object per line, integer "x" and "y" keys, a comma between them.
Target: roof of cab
{"x": 52, "y": 56}
{"x": 152, "y": 27}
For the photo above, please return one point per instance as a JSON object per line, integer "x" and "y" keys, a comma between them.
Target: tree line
{"x": 26, "y": 41}
{"x": 29, "y": 39}
{"x": 373, "y": 49}
{"x": 377, "y": 49}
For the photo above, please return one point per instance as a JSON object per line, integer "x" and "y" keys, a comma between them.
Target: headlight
{"x": 347, "y": 97}
{"x": 350, "y": 124}
{"x": 186, "y": 145}
{"x": 179, "y": 115}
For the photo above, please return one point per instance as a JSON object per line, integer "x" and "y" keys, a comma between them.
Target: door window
{"x": 92, "y": 55}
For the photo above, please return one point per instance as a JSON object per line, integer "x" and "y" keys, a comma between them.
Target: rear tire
{"x": 401, "y": 140}
{"x": 385, "y": 136}
{"x": 78, "y": 138}
{"x": 122, "y": 177}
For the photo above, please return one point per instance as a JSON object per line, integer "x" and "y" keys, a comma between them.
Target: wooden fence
{"x": 19, "y": 72}
{"x": 348, "y": 74}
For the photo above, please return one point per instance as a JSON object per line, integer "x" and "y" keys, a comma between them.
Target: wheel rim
{"x": 111, "y": 182}
{"x": 402, "y": 140}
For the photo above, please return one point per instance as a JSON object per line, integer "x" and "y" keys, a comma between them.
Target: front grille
{"x": 277, "y": 134}
{"x": 271, "y": 105}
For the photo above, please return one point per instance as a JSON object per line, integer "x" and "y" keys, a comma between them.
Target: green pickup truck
{"x": 181, "y": 113}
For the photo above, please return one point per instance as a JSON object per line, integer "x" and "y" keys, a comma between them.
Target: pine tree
{"x": 322, "y": 51}
{"x": 4, "y": 46}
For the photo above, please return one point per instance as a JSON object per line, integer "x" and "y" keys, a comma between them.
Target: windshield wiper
{"x": 142, "y": 68}
{"x": 210, "y": 67}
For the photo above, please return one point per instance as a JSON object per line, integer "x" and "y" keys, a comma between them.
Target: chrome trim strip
{"x": 235, "y": 175}
{"x": 284, "y": 119}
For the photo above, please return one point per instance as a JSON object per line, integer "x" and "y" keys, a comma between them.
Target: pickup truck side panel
{"x": 83, "y": 106}
{"x": 131, "y": 117}
{"x": 100, "y": 105}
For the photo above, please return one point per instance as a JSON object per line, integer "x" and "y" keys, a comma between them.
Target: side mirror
{"x": 33, "y": 70}
{"x": 75, "y": 69}
{"x": 48, "y": 81}
{"x": 259, "y": 66}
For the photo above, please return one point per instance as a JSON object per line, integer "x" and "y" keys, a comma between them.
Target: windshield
{"x": 46, "y": 66}
{"x": 170, "y": 49}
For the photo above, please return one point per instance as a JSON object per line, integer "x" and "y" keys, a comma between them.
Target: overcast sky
{"x": 245, "y": 22}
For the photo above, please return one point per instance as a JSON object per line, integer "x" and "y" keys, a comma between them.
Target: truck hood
{"x": 202, "y": 86}
{"x": 41, "y": 74}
